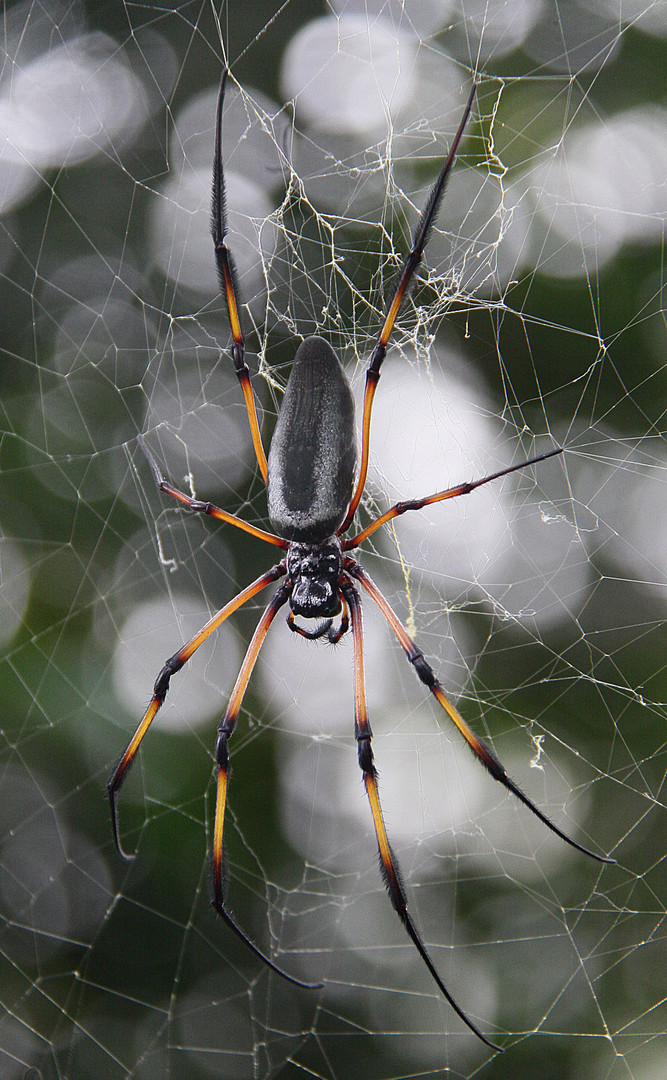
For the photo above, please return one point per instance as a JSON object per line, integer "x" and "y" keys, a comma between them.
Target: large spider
{"x": 312, "y": 501}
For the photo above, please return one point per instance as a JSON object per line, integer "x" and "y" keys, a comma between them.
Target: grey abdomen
{"x": 313, "y": 455}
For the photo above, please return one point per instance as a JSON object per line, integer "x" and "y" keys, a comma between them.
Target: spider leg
{"x": 480, "y": 748}
{"x": 206, "y": 507}
{"x": 440, "y": 496}
{"x": 174, "y": 664}
{"x": 388, "y": 864}
{"x": 226, "y": 276}
{"x": 405, "y": 277}
{"x": 225, "y": 732}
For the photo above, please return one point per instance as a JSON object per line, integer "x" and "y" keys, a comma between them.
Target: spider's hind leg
{"x": 388, "y": 863}
{"x": 171, "y": 667}
{"x": 226, "y": 729}
{"x": 479, "y": 747}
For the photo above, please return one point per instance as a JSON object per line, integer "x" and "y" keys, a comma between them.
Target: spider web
{"x": 536, "y": 321}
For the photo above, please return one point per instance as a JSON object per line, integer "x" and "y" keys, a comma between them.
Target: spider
{"x": 312, "y": 502}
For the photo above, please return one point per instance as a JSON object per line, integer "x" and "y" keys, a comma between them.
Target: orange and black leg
{"x": 389, "y": 866}
{"x": 450, "y": 493}
{"x": 480, "y": 748}
{"x": 225, "y": 732}
{"x": 226, "y": 277}
{"x": 405, "y": 277}
{"x": 209, "y": 508}
{"x": 174, "y": 664}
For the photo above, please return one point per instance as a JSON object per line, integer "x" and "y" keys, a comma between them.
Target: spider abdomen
{"x": 313, "y": 455}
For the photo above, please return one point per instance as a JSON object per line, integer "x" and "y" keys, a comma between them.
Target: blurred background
{"x": 537, "y": 321}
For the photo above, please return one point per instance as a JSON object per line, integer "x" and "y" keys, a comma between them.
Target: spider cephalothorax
{"x": 314, "y": 571}
{"x": 312, "y": 502}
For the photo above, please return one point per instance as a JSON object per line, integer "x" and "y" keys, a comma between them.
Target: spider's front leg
{"x": 226, "y": 277}
{"x": 390, "y": 870}
{"x": 407, "y": 272}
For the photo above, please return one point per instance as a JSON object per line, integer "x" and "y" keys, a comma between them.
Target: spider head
{"x": 314, "y": 570}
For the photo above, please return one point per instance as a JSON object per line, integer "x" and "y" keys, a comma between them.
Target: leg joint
{"x": 221, "y": 749}
{"x": 162, "y": 681}
{"x": 423, "y": 669}
{"x": 200, "y": 506}
{"x": 365, "y": 754}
